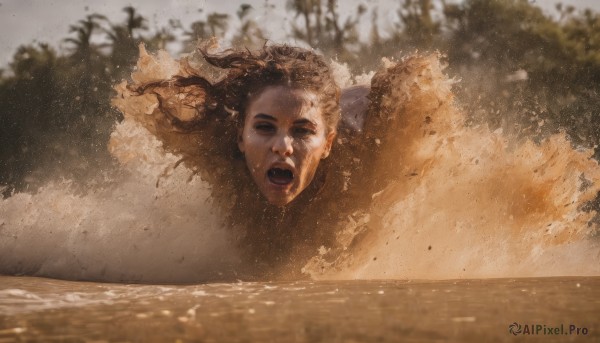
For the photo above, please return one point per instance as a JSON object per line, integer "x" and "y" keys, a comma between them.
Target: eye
{"x": 303, "y": 131}
{"x": 264, "y": 127}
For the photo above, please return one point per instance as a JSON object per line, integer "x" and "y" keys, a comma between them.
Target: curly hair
{"x": 274, "y": 65}
{"x": 198, "y": 116}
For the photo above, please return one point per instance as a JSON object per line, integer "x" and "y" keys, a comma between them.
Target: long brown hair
{"x": 244, "y": 73}
{"x": 250, "y": 72}
{"x": 198, "y": 117}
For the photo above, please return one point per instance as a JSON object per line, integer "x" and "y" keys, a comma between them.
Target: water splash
{"x": 465, "y": 201}
{"x": 454, "y": 201}
{"x": 154, "y": 223}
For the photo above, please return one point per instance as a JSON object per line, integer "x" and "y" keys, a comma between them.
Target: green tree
{"x": 324, "y": 29}
{"x": 123, "y": 41}
{"x": 85, "y": 56}
{"x": 492, "y": 42}
{"x": 160, "y": 39}
{"x": 417, "y": 27}
{"x": 84, "y": 30}
{"x": 250, "y": 34}
{"x": 527, "y": 72}
{"x": 215, "y": 25}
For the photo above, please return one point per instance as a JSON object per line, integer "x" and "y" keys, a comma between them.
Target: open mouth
{"x": 280, "y": 176}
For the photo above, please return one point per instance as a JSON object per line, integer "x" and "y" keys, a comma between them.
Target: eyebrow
{"x": 265, "y": 116}
{"x": 302, "y": 121}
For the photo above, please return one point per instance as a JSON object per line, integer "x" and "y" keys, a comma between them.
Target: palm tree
{"x": 215, "y": 25}
{"x": 123, "y": 41}
{"x": 84, "y": 29}
{"x": 83, "y": 55}
{"x": 134, "y": 21}
{"x": 160, "y": 39}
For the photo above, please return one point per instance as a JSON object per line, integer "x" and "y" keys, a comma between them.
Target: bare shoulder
{"x": 354, "y": 104}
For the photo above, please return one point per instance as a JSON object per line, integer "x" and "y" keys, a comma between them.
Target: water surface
{"x": 475, "y": 310}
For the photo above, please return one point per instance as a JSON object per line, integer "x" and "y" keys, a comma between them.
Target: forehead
{"x": 284, "y": 101}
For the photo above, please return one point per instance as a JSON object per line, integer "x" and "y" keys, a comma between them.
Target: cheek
{"x": 250, "y": 140}
{"x": 254, "y": 150}
{"x": 311, "y": 152}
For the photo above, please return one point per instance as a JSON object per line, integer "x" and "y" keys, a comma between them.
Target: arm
{"x": 354, "y": 103}
{"x": 178, "y": 106}
{"x": 386, "y": 128}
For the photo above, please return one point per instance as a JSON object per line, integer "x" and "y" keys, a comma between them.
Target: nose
{"x": 282, "y": 145}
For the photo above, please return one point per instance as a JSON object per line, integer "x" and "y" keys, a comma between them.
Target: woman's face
{"x": 283, "y": 139}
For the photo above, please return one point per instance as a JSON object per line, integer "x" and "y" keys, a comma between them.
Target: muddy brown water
{"x": 558, "y": 309}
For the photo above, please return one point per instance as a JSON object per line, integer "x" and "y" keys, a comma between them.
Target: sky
{"x": 27, "y": 21}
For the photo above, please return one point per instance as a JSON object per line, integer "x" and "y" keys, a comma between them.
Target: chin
{"x": 280, "y": 202}
{"x": 278, "y": 199}
{"x": 279, "y": 195}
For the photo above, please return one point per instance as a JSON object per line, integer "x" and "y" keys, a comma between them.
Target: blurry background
{"x": 529, "y": 67}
